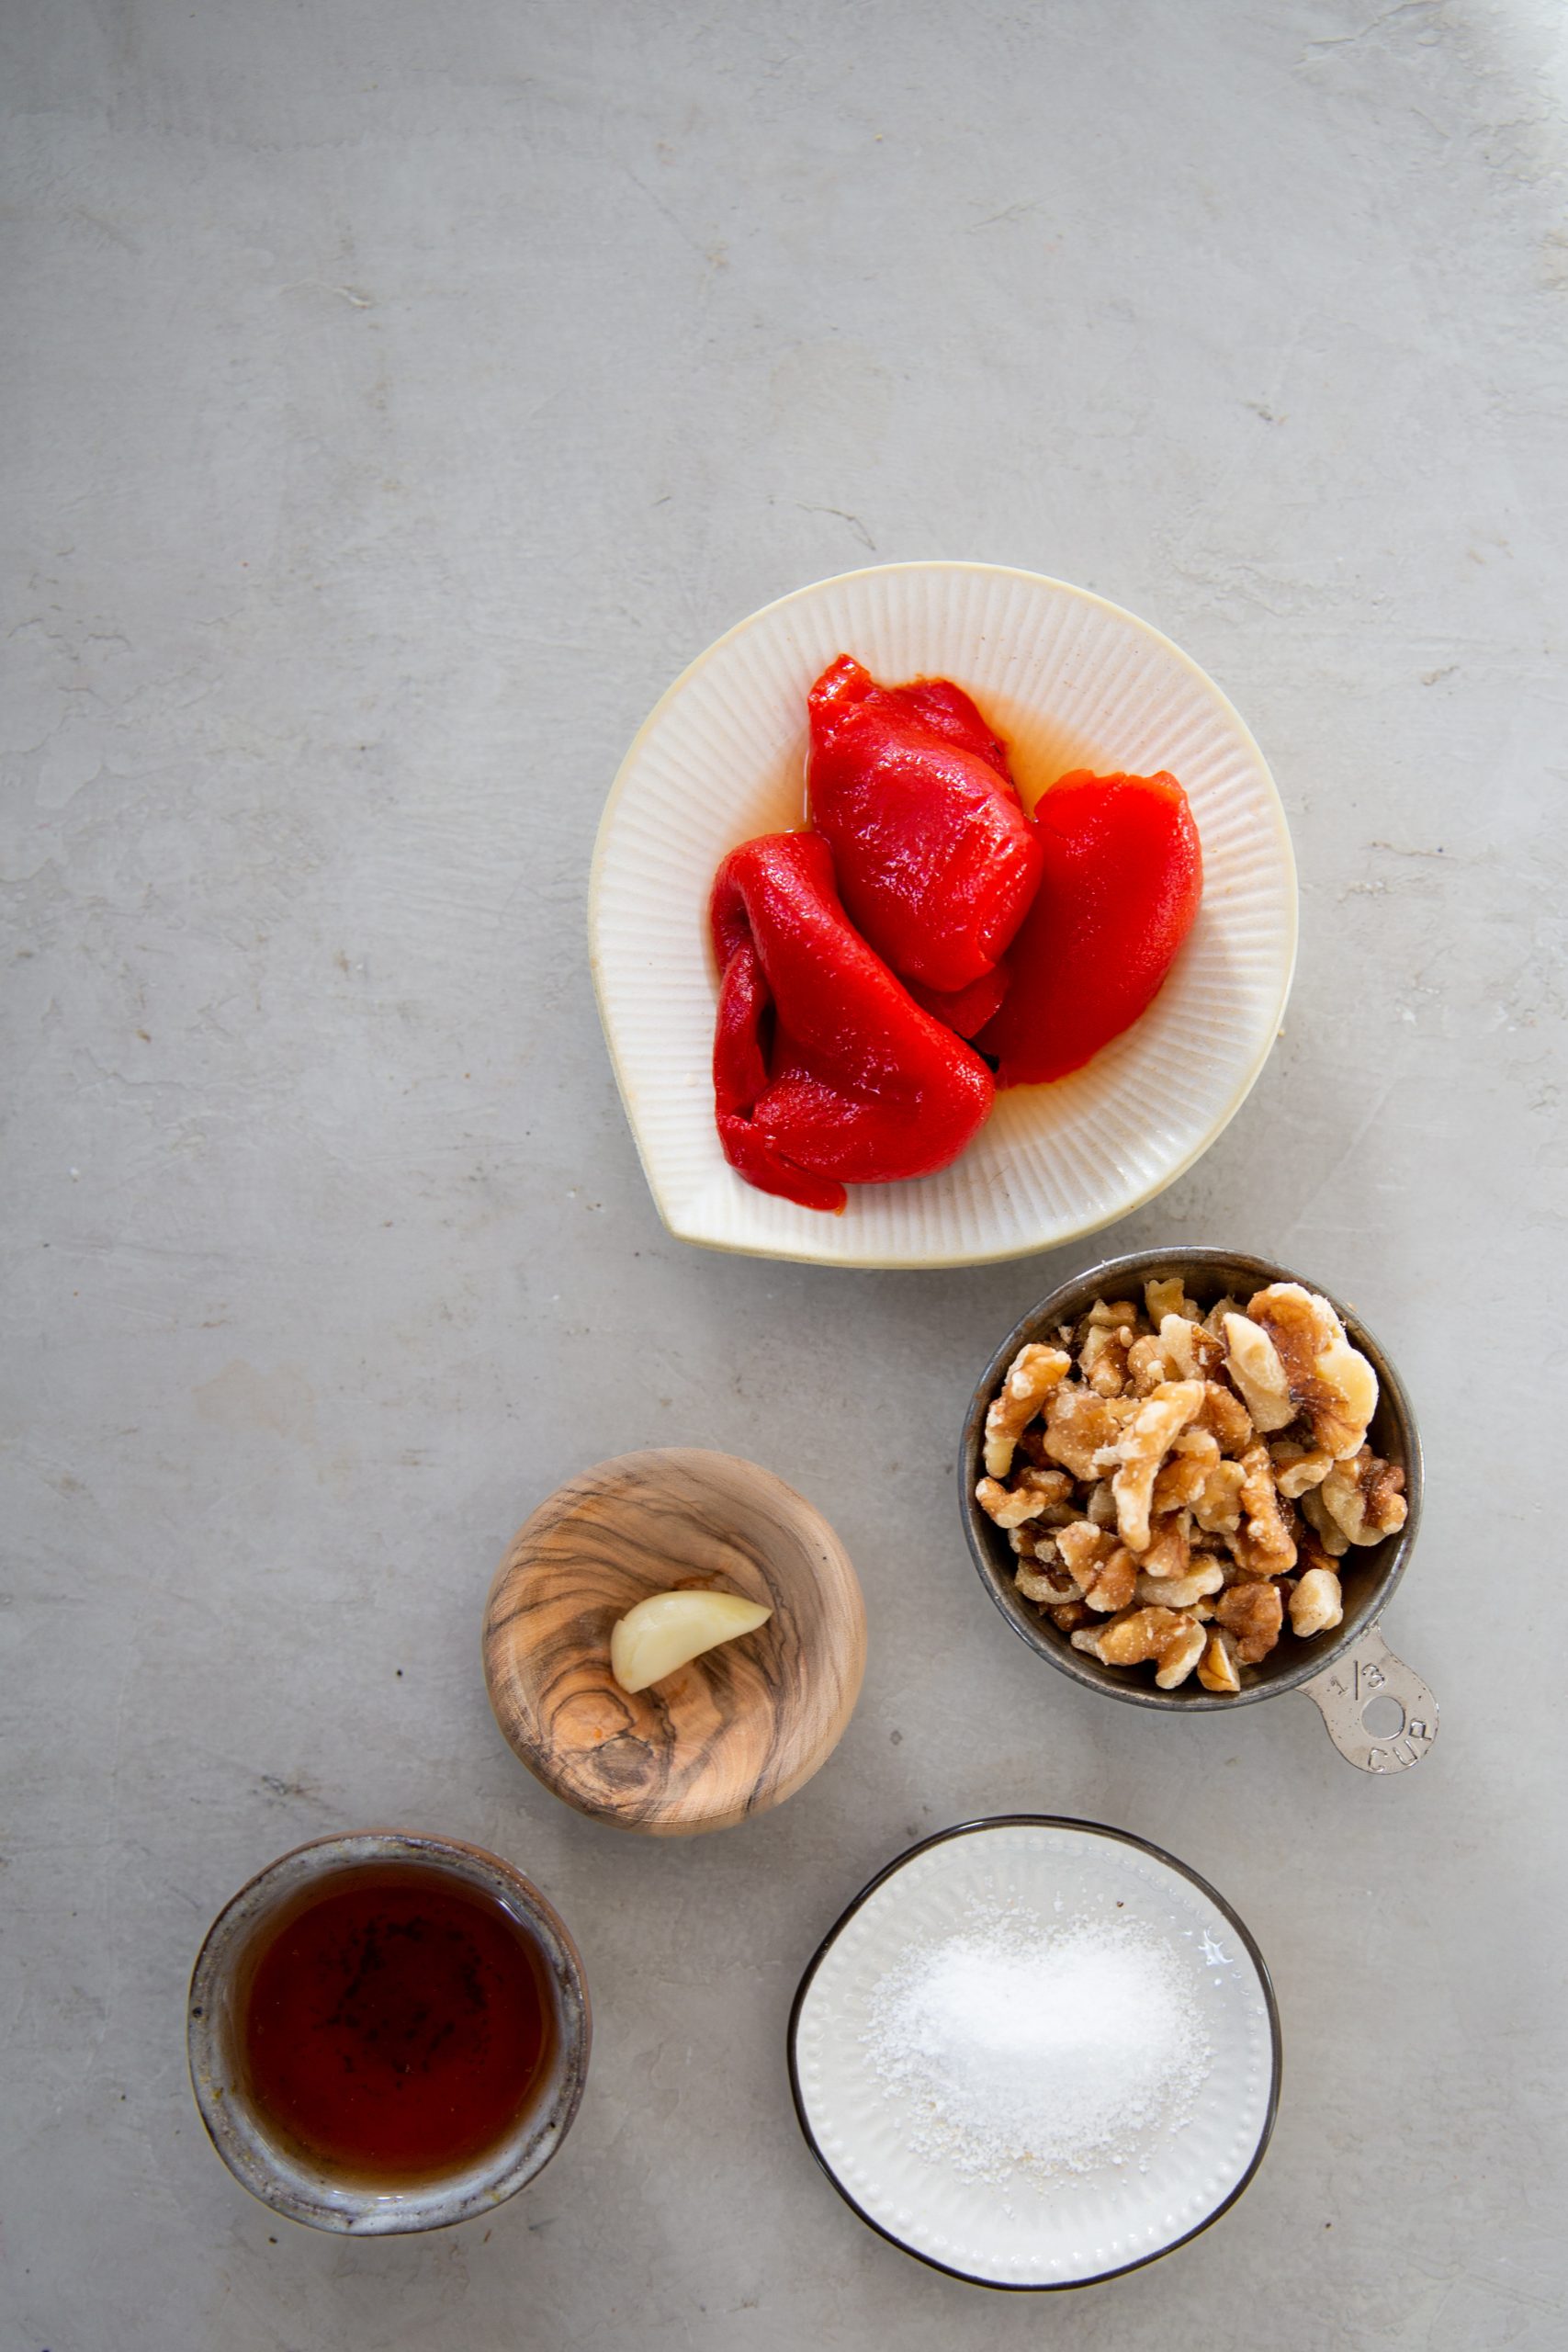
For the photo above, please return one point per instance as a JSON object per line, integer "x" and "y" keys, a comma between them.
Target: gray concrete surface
{"x": 398, "y": 396}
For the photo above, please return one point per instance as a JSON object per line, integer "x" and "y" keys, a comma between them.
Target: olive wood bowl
{"x": 1344, "y": 1669}
{"x": 739, "y": 1728}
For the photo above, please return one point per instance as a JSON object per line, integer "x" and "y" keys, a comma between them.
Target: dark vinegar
{"x": 395, "y": 2024}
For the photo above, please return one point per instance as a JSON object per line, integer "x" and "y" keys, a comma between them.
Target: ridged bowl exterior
{"x": 722, "y": 758}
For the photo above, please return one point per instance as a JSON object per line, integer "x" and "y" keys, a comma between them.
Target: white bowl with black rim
{"x": 1035, "y": 2232}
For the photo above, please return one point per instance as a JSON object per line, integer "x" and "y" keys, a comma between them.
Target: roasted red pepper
{"x": 824, "y": 1070}
{"x": 934, "y": 857}
{"x": 966, "y": 1011}
{"x": 1122, "y": 877}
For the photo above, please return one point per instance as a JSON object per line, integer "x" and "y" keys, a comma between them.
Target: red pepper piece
{"x": 933, "y": 853}
{"x": 948, "y": 711}
{"x": 1124, "y": 876}
{"x": 825, "y": 1071}
{"x": 965, "y": 1010}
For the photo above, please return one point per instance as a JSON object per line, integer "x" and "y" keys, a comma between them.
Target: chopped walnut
{"x": 1218, "y": 1508}
{"x": 1204, "y": 1576}
{"x": 1032, "y": 1445}
{"x": 1168, "y": 1297}
{"x": 1216, "y": 1667}
{"x": 1102, "y": 1569}
{"x": 1175, "y": 1641}
{"x": 1102, "y": 1359}
{"x": 1324, "y": 1524}
{"x": 1031, "y": 1450}
{"x": 1121, "y": 1315}
{"x": 1365, "y": 1497}
{"x": 1009, "y": 1506}
{"x": 1030, "y": 1377}
{"x": 1225, "y": 1418}
{"x": 1263, "y": 1544}
{"x": 1254, "y": 1612}
{"x": 1101, "y": 1505}
{"x": 1253, "y": 1362}
{"x": 1311, "y": 1552}
{"x": 1077, "y": 1425}
{"x": 1297, "y": 1468}
{"x": 1191, "y": 1353}
{"x": 1113, "y": 1584}
{"x": 1316, "y": 1604}
{"x": 1141, "y": 1450}
{"x": 1146, "y": 1366}
{"x": 1331, "y": 1385}
{"x": 1049, "y": 1585}
{"x": 1084, "y": 1547}
{"x": 1175, "y": 1480}
{"x": 1193, "y": 1457}
{"x": 1000, "y": 1504}
{"x": 1169, "y": 1547}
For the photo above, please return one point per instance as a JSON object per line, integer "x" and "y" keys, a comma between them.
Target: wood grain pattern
{"x": 739, "y": 1728}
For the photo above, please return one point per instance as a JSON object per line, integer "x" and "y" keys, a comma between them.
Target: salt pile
{"x": 1025, "y": 2048}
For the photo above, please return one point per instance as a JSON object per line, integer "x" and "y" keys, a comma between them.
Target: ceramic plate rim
{"x": 1097, "y": 1829}
{"x": 929, "y": 1259}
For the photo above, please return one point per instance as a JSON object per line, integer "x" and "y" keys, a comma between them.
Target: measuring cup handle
{"x": 1371, "y": 1672}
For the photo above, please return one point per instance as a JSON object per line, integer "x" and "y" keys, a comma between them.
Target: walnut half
{"x": 1331, "y": 1384}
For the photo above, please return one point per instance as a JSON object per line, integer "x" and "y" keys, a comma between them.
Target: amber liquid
{"x": 394, "y": 2024}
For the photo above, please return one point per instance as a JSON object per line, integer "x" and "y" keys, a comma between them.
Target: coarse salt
{"x": 1022, "y": 2049}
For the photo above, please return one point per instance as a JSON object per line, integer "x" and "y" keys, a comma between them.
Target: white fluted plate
{"x": 1078, "y": 2229}
{"x": 1071, "y": 682}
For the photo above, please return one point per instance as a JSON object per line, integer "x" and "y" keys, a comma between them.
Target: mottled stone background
{"x": 396, "y": 396}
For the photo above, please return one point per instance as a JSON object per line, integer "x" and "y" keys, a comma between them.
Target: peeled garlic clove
{"x": 669, "y": 1629}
